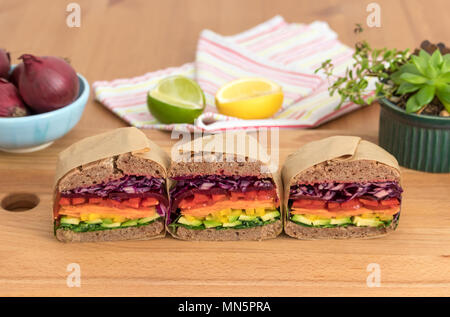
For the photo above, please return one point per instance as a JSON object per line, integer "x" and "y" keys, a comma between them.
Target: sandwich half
{"x": 111, "y": 187}
{"x": 339, "y": 188}
{"x": 223, "y": 195}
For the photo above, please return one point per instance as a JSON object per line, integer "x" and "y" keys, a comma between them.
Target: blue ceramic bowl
{"x": 36, "y": 132}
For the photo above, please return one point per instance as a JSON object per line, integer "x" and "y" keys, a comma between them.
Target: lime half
{"x": 176, "y": 99}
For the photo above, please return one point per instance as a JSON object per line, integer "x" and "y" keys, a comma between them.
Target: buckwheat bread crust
{"x": 217, "y": 164}
{"x": 151, "y": 231}
{"x": 269, "y": 231}
{"x": 110, "y": 169}
{"x": 347, "y": 171}
{"x": 351, "y": 232}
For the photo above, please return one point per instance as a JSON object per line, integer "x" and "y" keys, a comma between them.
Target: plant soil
{"x": 434, "y": 108}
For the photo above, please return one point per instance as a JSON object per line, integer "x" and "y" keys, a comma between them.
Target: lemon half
{"x": 249, "y": 98}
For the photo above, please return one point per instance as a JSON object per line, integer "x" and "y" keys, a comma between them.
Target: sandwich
{"x": 341, "y": 187}
{"x": 223, "y": 194}
{"x": 110, "y": 187}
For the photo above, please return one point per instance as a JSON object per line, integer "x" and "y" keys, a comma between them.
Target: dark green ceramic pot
{"x": 418, "y": 142}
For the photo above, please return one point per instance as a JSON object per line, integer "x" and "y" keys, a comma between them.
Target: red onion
{"x": 5, "y": 63}
{"x": 47, "y": 83}
{"x": 11, "y": 105}
{"x": 14, "y": 77}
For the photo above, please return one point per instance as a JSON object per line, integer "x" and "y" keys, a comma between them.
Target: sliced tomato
{"x": 251, "y": 195}
{"x": 186, "y": 203}
{"x": 351, "y": 204}
{"x": 218, "y": 197}
{"x": 201, "y": 198}
{"x": 64, "y": 201}
{"x": 333, "y": 206}
{"x": 302, "y": 203}
{"x": 132, "y": 202}
{"x": 390, "y": 202}
{"x": 317, "y": 204}
{"x": 95, "y": 200}
{"x": 369, "y": 203}
{"x": 266, "y": 194}
{"x": 78, "y": 201}
{"x": 236, "y": 196}
{"x": 149, "y": 201}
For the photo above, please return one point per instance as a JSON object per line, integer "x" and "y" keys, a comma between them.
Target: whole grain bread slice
{"x": 347, "y": 171}
{"x": 151, "y": 231}
{"x": 350, "y": 232}
{"x": 222, "y": 154}
{"x": 269, "y": 231}
{"x": 197, "y": 164}
{"x": 109, "y": 169}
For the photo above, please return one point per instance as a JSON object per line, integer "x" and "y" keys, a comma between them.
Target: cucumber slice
{"x": 248, "y": 218}
{"x": 70, "y": 220}
{"x": 107, "y": 221}
{"x": 111, "y": 225}
{"x": 194, "y": 223}
{"x": 211, "y": 224}
{"x": 301, "y": 219}
{"x": 233, "y": 218}
{"x": 148, "y": 219}
{"x": 321, "y": 222}
{"x": 130, "y": 223}
{"x": 231, "y": 224}
{"x": 270, "y": 215}
{"x": 94, "y": 222}
{"x": 340, "y": 221}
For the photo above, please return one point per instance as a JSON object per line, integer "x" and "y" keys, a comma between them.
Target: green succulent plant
{"x": 426, "y": 75}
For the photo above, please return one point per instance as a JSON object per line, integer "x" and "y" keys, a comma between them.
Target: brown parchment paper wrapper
{"x": 109, "y": 144}
{"x": 249, "y": 148}
{"x": 335, "y": 148}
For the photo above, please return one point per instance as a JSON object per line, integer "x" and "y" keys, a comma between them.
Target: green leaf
{"x": 412, "y": 78}
{"x": 431, "y": 71}
{"x": 420, "y": 63}
{"x": 443, "y": 93}
{"x": 406, "y": 68}
{"x": 436, "y": 59}
{"x": 412, "y": 105}
{"x": 444, "y": 78}
{"x": 406, "y": 88}
{"x": 370, "y": 99}
{"x": 446, "y": 106}
{"x": 425, "y": 56}
{"x": 446, "y": 66}
{"x": 425, "y": 95}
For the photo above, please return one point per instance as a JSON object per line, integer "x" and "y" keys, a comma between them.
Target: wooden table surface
{"x": 128, "y": 38}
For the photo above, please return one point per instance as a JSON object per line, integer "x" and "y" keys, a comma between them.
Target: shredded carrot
{"x": 338, "y": 213}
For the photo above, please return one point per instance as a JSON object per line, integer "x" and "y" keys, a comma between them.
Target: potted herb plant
{"x": 413, "y": 90}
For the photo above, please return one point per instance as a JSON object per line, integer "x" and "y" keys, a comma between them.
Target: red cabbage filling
{"x": 129, "y": 186}
{"x": 342, "y": 192}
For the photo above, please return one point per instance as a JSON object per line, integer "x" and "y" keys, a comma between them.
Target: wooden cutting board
{"x": 414, "y": 260}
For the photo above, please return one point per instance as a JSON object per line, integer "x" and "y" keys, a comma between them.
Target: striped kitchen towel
{"x": 287, "y": 53}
